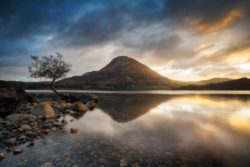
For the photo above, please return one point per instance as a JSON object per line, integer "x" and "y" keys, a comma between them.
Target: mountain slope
{"x": 121, "y": 73}
{"x": 236, "y": 84}
{"x": 208, "y": 81}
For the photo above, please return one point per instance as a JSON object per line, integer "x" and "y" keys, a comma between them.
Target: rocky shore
{"x": 25, "y": 118}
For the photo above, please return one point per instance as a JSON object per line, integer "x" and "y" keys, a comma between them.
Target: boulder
{"x": 79, "y": 107}
{"x": 11, "y": 101}
{"x": 9, "y": 105}
{"x": 44, "y": 109}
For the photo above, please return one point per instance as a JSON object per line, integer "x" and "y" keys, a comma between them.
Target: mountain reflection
{"x": 127, "y": 107}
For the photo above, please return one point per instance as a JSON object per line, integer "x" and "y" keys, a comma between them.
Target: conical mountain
{"x": 121, "y": 73}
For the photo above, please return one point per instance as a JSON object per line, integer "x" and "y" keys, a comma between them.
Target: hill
{"x": 121, "y": 73}
{"x": 236, "y": 84}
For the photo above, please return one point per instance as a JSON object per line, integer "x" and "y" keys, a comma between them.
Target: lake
{"x": 151, "y": 128}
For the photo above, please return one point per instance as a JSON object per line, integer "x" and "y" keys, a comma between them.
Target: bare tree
{"x": 51, "y": 67}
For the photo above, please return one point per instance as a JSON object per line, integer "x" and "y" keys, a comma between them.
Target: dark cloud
{"x": 205, "y": 14}
{"x": 143, "y": 27}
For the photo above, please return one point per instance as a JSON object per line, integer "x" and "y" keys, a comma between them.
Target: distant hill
{"x": 121, "y": 73}
{"x": 236, "y": 84}
{"x": 209, "y": 81}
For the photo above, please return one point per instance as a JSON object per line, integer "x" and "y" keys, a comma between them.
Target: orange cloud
{"x": 206, "y": 27}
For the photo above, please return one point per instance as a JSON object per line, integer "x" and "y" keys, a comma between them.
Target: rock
{"x": 63, "y": 121}
{"x": 22, "y": 138}
{"x": 31, "y": 144}
{"x": 31, "y": 134}
{"x": 47, "y": 164}
{"x": 2, "y": 156}
{"x": 11, "y": 100}
{"x": 25, "y": 127}
{"x": 103, "y": 161}
{"x": 79, "y": 107}
{"x": 68, "y": 111}
{"x": 44, "y": 109}
{"x": 136, "y": 164}
{"x": 46, "y": 131}
{"x": 11, "y": 141}
{"x": 14, "y": 118}
{"x": 123, "y": 162}
{"x": 74, "y": 130}
{"x": 17, "y": 151}
{"x": 91, "y": 105}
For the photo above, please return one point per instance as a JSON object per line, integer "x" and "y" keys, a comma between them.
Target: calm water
{"x": 151, "y": 130}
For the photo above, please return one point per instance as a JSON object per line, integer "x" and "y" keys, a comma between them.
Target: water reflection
{"x": 166, "y": 130}
{"x": 219, "y": 125}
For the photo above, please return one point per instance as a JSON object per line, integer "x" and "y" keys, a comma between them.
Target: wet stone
{"x": 2, "y": 156}
{"x": 17, "y": 151}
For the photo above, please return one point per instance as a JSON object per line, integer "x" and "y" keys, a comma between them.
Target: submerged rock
{"x": 44, "y": 109}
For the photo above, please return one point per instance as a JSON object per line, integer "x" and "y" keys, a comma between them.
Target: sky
{"x": 181, "y": 39}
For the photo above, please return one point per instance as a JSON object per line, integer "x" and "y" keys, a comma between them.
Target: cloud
{"x": 168, "y": 34}
{"x": 208, "y": 16}
{"x": 205, "y": 27}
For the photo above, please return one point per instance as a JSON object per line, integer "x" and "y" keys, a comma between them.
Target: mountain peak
{"x": 122, "y": 63}
{"x": 122, "y": 58}
{"x": 123, "y": 72}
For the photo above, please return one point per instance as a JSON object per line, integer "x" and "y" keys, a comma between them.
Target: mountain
{"x": 209, "y": 81}
{"x": 121, "y": 73}
{"x": 236, "y": 84}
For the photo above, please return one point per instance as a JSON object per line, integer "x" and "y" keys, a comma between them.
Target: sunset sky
{"x": 180, "y": 39}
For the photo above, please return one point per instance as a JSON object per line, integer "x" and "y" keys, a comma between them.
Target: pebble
{"x": 2, "y": 156}
{"x": 17, "y": 151}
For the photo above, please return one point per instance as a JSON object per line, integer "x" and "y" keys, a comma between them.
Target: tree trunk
{"x": 53, "y": 88}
